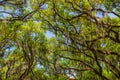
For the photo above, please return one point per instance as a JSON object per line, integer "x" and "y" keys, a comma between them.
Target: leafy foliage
{"x": 85, "y": 45}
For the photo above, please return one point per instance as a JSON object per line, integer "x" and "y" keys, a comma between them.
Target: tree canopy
{"x": 83, "y": 42}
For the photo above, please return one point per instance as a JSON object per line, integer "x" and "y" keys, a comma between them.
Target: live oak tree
{"x": 85, "y": 43}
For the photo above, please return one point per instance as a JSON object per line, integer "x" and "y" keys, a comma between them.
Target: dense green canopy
{"x": 83, "y": 42}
